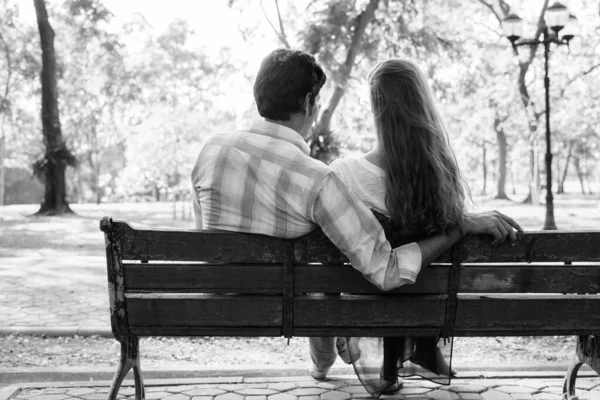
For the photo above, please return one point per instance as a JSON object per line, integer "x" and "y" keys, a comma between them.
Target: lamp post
{"x": 557, "y": 19}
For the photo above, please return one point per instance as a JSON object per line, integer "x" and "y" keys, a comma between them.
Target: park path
{"x": 56, "y": 297}
{"x": 305, "y": 388}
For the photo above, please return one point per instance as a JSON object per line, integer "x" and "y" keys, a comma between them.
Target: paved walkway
{"x": 38, "y": 296}
{"x": 300, "y": 388}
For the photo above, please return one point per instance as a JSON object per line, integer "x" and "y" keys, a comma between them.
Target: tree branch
{"x": 5, "y": 113}
{"x": 581, "y": 75}
{"x": 491, "y": 7}
{"x": 281, "y": 24}
{"x": 524, "y": 65}
{"x": 280, "y": 35}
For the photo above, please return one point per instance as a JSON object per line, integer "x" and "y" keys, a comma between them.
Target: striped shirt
{"x": 261, "y": 179}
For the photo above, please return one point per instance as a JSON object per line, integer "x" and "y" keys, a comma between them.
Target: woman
{"x": 412, "y": 178}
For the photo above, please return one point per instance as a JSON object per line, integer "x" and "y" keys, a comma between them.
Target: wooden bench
{"x": 201, "y": 283}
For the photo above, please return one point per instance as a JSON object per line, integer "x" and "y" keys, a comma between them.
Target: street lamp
{"x": 557, "y": 19}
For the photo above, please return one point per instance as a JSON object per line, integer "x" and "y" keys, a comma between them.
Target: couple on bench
{"x": 261, "y": 179}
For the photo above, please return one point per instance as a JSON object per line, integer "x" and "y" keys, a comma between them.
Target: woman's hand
{"x": 491, "y": 223}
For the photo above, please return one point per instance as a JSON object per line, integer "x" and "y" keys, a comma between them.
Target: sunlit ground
{"x": 22, "y": 234}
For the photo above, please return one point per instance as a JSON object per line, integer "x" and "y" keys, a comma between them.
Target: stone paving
{"x": 38, "y": 296}
{"x": 305, "y": 388}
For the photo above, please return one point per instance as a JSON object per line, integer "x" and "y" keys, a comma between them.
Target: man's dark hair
{"x": 284, "y": 79}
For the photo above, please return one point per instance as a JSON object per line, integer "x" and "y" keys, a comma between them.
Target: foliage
{"x": 19, "y": 82}
{"x": 137, "y": 101}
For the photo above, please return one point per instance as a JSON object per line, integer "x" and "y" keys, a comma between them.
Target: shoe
{"x": 390, "y": 387}
{"x": 342, "y": 350}
{"x": 318, "y": 373}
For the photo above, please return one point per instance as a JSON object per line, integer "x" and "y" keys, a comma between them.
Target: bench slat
{"x": 369, "y": 311}
{"x": 541, "y": 313}
{"x": 191, "y": 245}
{"x": 227, "y": 247}
{"x": 490, "y": 278}
{"x": 366, "y": 331}
{"x": 541, "y": 246}
{"x": 477, "y": 315}
{"x": 267, "y": 279}
{"x": 179, "y": 310}
{"x": 204, "y": 331}
{"x": 248, "y": 278}
{"x": 530, "y": 279}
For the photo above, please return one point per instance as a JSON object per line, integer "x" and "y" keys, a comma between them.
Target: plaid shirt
{"x": 262, "y": 180}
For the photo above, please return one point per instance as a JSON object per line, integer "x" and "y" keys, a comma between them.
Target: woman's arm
{"x": 488, "y": 222}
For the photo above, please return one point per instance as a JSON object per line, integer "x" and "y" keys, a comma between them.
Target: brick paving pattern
{"x": 301, "y": 388}
{"x": 35, "y": 293}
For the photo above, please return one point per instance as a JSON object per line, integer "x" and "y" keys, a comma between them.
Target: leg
{"x": 322, "y": 354}
{"x": 391, "y": 353}
{"x": 393, "y": 349}
{"x": 570, "y": 378}
{"x": 342, "y": 349}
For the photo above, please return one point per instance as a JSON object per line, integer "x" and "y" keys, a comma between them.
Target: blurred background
{"x": 141, "y": 84}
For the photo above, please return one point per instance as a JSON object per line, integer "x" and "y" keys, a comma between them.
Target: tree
{"x": 92, "y": 89}
{"x": 181, "y": 89}
{"x": 347, "y": 38}
{"x": 19, "y": 71}
{"x": 353, "y": 24}
{"x": 500, "y": 10}
{"x": 52, "y": 166}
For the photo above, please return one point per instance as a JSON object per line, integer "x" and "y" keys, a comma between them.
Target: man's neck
{"x": 292, "y": 123}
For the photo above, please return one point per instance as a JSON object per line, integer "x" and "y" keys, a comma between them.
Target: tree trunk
{"x": 512, "y": 180}
{"x": 586, "y": 175}
{"x": 561, "y": 184}
{"x": 56, "y": 153}
{"x": 528, "y": 199}
{"x": 95, "y": 165}
{"x": 537, "y": 177}
{"x": 323, "y": 126}
{"x": 2, "y": 170}
{"x": 579, "y": 173}
{"x": 556, "y": 161}
{"x": 484, "y": 162}
{"x": 502, "y": 150}
{"x": 80, "y": 198}
{"x": 97, "y": 187}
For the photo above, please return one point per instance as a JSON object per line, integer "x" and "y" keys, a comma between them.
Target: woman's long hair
{"x": 425, "y": 193}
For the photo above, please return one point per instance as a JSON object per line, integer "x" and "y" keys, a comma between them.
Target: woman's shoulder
{"x": 345, "y": 161}
{"x": 356, "y": 165}
{"x": 349, "y": 162}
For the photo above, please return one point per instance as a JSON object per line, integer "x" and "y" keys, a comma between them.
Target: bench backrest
{"x": 167, "y": 282}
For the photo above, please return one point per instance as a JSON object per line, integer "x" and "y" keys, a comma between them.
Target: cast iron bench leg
{"x": 570, "y": 378}
{"x": 129, "y": 359}
{"x": 588, "y": 352}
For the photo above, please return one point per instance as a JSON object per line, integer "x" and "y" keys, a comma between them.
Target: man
{"x": 261, "y": 179}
